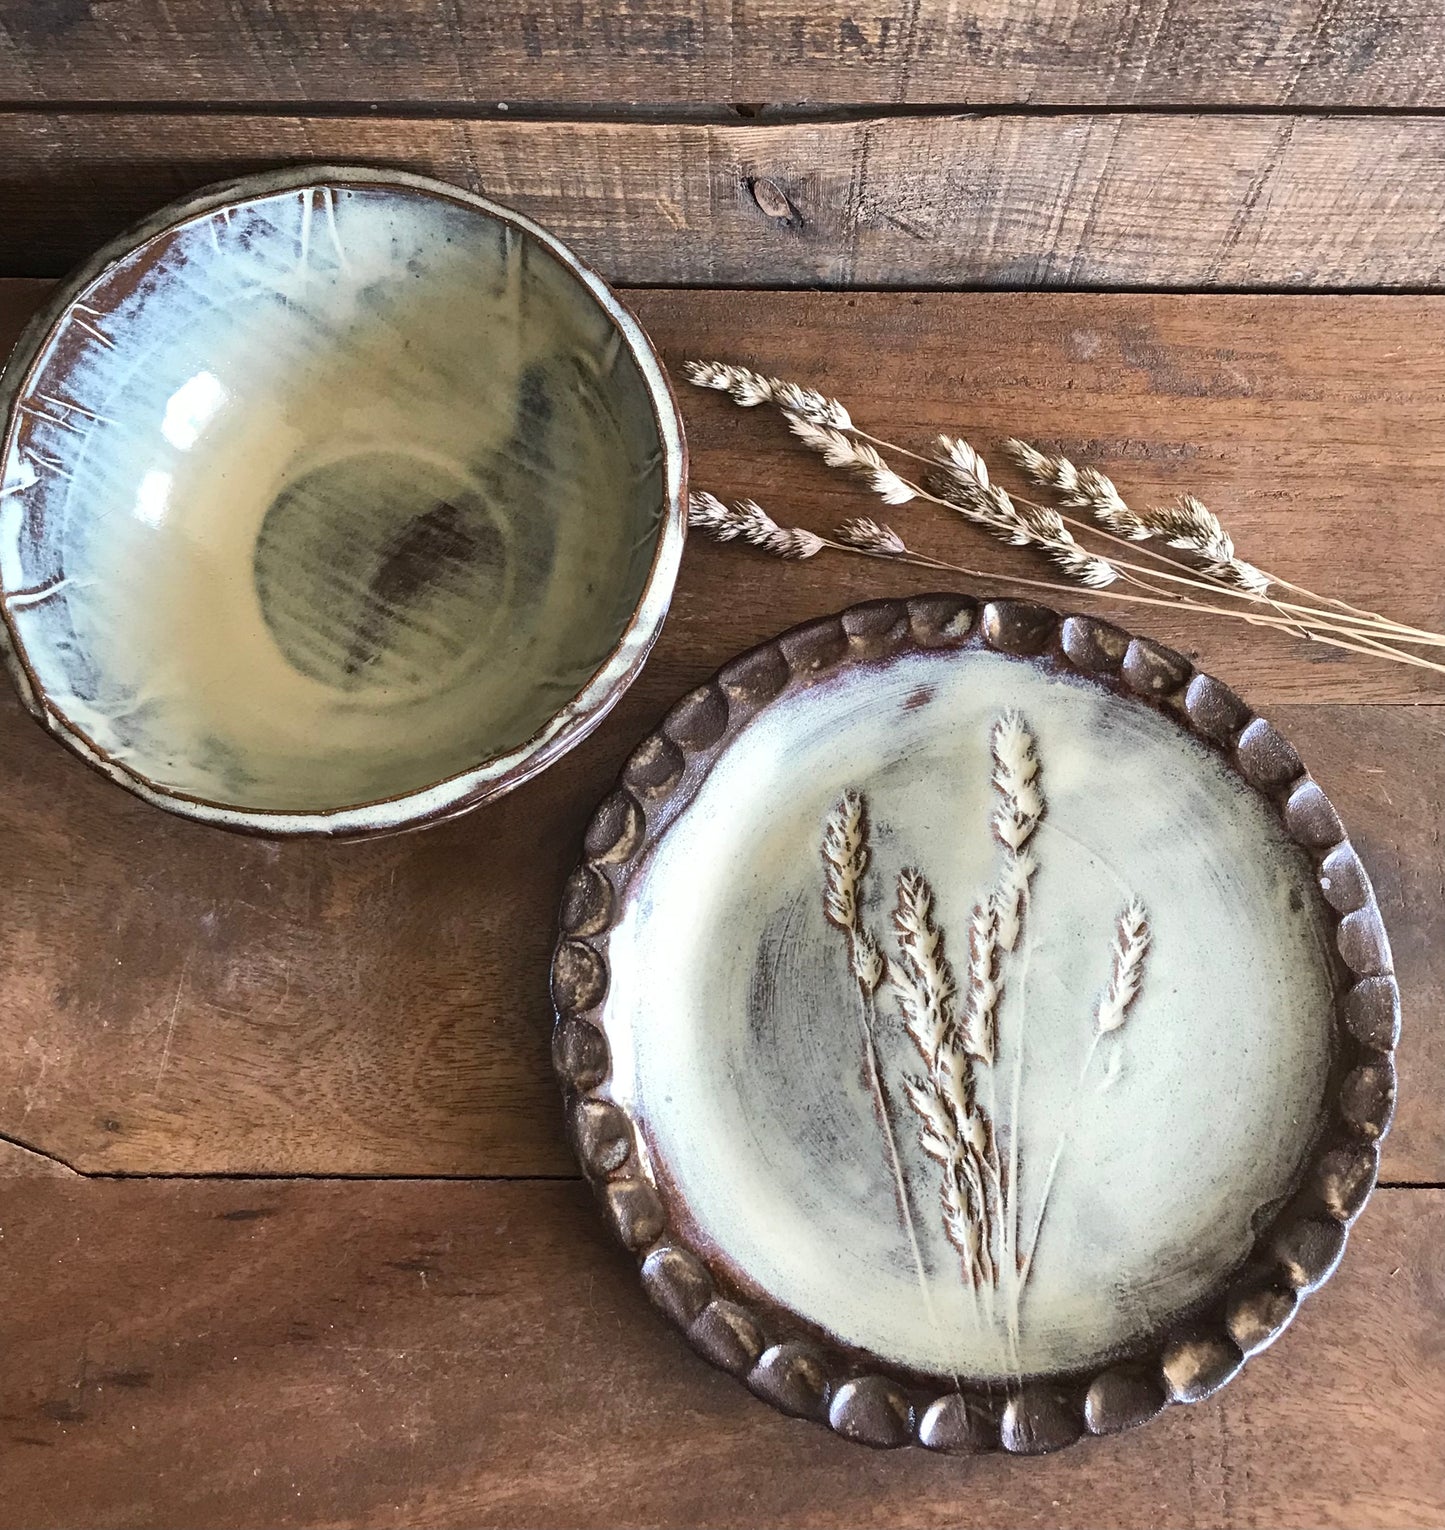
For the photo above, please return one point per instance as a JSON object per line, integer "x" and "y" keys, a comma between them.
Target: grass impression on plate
{"x": 958, "y": 1104}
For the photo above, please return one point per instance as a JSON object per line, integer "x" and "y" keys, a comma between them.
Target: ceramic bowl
{"x": 334, "y": 502}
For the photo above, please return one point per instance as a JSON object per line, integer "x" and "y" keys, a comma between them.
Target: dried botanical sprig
{"x": 825, "y": 426}
{"x": 1239, "y": 575}
{"x": 1036, "y": 526}
{"x": 842, "y": 451}
{"x": 1191, "y": 526}
{"x": 960, "y": 460}
{"x": 1078, "y": 489}
{"x": 836, "y": 449}
{"x": 1187, "y": 526}
{"x": 746, "y": 519}
{"x": 750, "y": 388}
{"x": 1131, "y": 946}
{"x": 985, "y": 505}
{"x": 809, "y": 404}
{"x": 746, "y": 388}
{"x": 869, "y": 536}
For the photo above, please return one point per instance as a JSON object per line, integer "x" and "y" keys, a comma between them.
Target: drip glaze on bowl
{"x": 334, "y": 503}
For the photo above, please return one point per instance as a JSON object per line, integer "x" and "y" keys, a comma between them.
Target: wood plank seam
{"x": 640, "y": 113}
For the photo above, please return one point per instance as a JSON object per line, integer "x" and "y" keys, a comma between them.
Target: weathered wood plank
{"x": 177, "y": 999}
{"x": 996, "y": 201}
{"x": 1115, "y": 52}
{"x": 293, "y": 1354}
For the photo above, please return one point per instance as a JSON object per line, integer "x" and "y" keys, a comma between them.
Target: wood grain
{"x": 1115, "y": 52}
{"x": 1175, "y": 201}
{"x": 251, "y": 1353}
{"x": 180, "y": 1000}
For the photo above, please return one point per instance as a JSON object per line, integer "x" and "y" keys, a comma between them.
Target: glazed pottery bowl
{"x": 334, "y": 502}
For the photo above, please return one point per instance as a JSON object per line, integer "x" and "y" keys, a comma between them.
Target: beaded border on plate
{"x": 1193, "y": 1358}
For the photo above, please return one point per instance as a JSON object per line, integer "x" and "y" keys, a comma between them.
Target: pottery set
{"x": 975, "y": 1020}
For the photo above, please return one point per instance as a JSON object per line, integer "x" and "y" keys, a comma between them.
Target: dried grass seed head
{"x": 744, "y": 387}
{"x": 843, "y": 451}
{"x": 746, "y": 520}
{"x": 835, "y": 448}
{"x": 872, "y": 537}
{"x": 960, "y": 460}
{"x": 1034, "y": 526}
{"x": 1239, "y": 575}
{"x": 809, "y": 404}
{"x": 1078, "y": 488}
{"x": 749, "y": 388}
{"x": 1191, "y": 526}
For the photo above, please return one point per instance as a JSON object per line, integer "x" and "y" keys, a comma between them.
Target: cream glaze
{"x": 349, "y": 490}
{"x": 735, "y": 1040}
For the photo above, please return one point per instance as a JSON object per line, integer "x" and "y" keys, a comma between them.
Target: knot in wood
{"x": 773, "y": 202}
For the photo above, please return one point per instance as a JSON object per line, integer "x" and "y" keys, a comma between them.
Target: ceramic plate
{"x": 977, "y": 1022}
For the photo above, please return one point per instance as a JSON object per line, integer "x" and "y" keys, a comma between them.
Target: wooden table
{"x": 289, "y": 1231}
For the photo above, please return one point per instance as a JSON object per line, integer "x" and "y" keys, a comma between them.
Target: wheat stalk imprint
{"x": 955, "y": 1034}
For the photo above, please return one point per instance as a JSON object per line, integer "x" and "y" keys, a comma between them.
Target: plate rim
{"x": 858, "y": 1396}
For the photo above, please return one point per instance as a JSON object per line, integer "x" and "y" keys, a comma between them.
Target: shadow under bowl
{"x": 334, "y": 501}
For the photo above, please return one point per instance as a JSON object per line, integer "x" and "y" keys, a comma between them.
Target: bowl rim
{"x": 452, "y": 795}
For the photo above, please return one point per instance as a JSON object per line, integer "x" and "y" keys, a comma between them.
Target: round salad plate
{"x": 977, "y": 1022}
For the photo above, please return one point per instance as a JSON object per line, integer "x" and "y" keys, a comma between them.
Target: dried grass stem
{"x": 1188, "y": 526}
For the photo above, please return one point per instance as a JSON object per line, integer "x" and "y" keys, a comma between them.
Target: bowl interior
{"x": 326, "y": 496}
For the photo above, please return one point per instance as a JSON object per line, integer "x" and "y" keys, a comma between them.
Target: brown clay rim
{"x": 805, "y": 1374}
{"x": 436, "y": 801}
